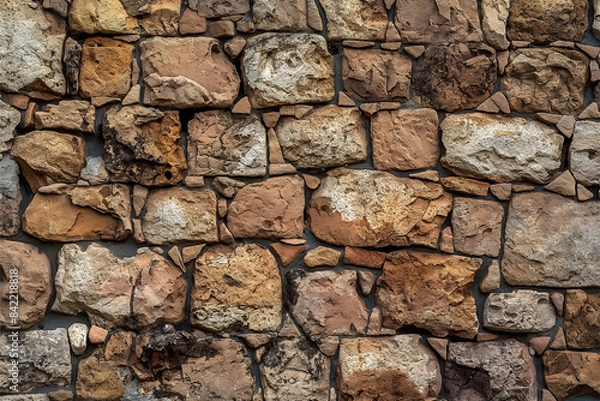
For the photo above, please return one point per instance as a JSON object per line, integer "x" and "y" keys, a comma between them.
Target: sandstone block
{"x": 582, "y": 319}
{"x": 584, "y": 151}
{"x": 521, "y": 311}
{"x": 219, "y": 8}
{"x": 9, "y": 119}
{"x": 101, "y": 17}
{"x": 355, "y": 19}
{"x": 69, "y": 115}
{"x": 477, "y": 226}
{"x": 569, "y": 373}
{"x": 322, "y": 256}
{"x": 494, "y": 15}
{"x": 280, "y": 15}
{"x": 162, "y": 18}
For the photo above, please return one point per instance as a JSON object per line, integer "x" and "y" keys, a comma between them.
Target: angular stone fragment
{"x": 498, "y": 370}
{"x": 569, "y": 373}
{"x": 287, "y": 253}
{"x": 521, "y": 311}
{"x": 162, "y": 18}
{"x": 330, "y": 136}
{"x": 280, "y": 69}
{"x": 78, "y": 333}
{"x": 220, "y": 143}
{"x": 455, "y": 76}
{"x": 491, "y": 280}
{"x": 376, "y": 75}
{"x": 405, "y": 139}
{"x": 365, "y": 208}
{"x": 477, "y": 226}
{"x": 363, "y": 257}
{"x": 10, "y": 197}
{"x": 219, "y": 8}
{"x": 584, "y": 152}
{"x": 500, "y": 148}
{"x": 101, "y": 377}
{"x": 326, "y": 302}
{"x": 236, "y": 289}
{"x": 69, "y": 115}
{"x": 180, "y": 214}
{"x": 387, "y": 368}
{"x": 270, "y": 209}
{"x": 582, "y": 319}
{"x": 191, "y": 23}
{"x": 551, "y": 241}
{"x": 596, "y": 22}
{"x": 101, "y": 17}
{"x": 557, "y": 77}
{"x": 9, "y": 119}
{"x": 322, "y": 256}
{"x": 280, "y": 15}
{"x": 494, "y": 15}
{"x": 95, "y": 171}
{"x": 430, "y": 21}
{"x": 355, "y": 19}
{"x": 187, "y": 72}
{"x": 429, "y": 291}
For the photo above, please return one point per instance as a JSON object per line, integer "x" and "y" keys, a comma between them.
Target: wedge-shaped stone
{"x": 355, "y": 19}
{"x": 569, "y": 373}
{"x": 500, "y": 148}
{"x": 101, "y": 16}
{"x": 365, "y": 208}
{"x": 521, "y": 311}
{"x": 584, "y": 152}
{"x": 582, "y": 319}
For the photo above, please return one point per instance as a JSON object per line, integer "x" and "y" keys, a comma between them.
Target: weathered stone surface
{"x": 236, "y": 289}
{"x": 44, "y": 359}
{"x": 180, "y": 214}
{"x": 355, "y": 19}
{"x": 543, "y": 22}
{"x": 287, "y": 253}
{"x": 219, "y": 8}
{"x": 557, "y": 77}
{"x": 363, "y": 257}
{"x": 47, "y": 156}
{"x": 405, "y": 139}
{"x": 376, "y": 75}
{"x": 270, "y": 209}
{"x": 569, "y": 373}
{"x": 322, "y": 256}
{"x": 9, "y": 119}
{"x": 69, "y": 115}
{"x": 326, "y": 302}
{"x": 95, "y": 171}
{"x": 143, "y": 145}
{"x": 222, "y": 143}
{"x": 10, "y": 197}
{"x": 492, "y": 278}
{"x": 281, "y": 69}
{"x": 330, "y": 136}
{"x": 280, "y": 15}
{"x": 140, "y": 291}
{"x": 187, "y": 72}
{"x": 429, "y": 291}
{"x": 33, "y": 272}
{"x": 162, "y": 18}
{"x": 584, "y": 151}
{"x": 387, "y": 368}
{"x": 80, "y": 213}
{"x": 365, "y": 208}
{"x": 72, "y": 62}
{"x": 78, "y": 333}
{"x": 191, "y": 23}
{"x": 455, "y": 76}
{"x": 101, "y": 16}
{"x": 499, "y": 370}
{"x": 582, "y": 319}
{"x": 551, "y": 241}
{"x": 494, "y": 17}
{"x": 105, "y": 68}
{"x": 477, "y": 226}
{"x": 521, "y": 311}
{"x": 500, "y": 148}
{"x": 438, "y": 21}
{"x": 101, "y": 378}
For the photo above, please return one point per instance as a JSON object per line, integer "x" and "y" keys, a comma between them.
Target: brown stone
{"x": 280, "y": 15}
{"x": 221, "y": 29}
{"x": 355, "y": 19}
{"x": 311, "y": 181}
{"x": 242, "y": 106}
{"x": 488, "y": 107}
{"x": 477, "y": 226}
{"x": 440, "y": 345}
{"x": 582, "y": 319}
{"x": 101, "y": 17}
{"x": 539, "y": 344}
{"x": 564, "y": 184}
{"x": 454, "y": 76}
{"x": 322, "y": 256}
{"x": 191, "y": 23}
{"x": 226, "y": 186}
{"x": 592, "y": 111}
{"x": 547, "y": 395}
{"x": 465, "y": 186}
{"x": 491, "y": 280}
{"x": 364, "y": 257}
{"x": 569, "y": 373}
{"x": 566, "y": 125}
{"x": 190, "y": 253}
{"x": 162, "y": 18}
{"x": 501, "y": 191}
{"x": 219, "y": 8}
{"x": 69, "y": 115}
{"x": 415, "y": 51}
{"x": 287, "y": 253}
{"x": 583, "y": 194}
{"x": 97, "y": 335}
{"x": 559, "y": 341}
{"x": 447, "y": 240}
{"x": 429, "y": 291}
{"x": 271, "y": 118}
{"x": 558, "y": 300}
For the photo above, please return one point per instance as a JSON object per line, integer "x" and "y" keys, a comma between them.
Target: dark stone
{"x": 72, "y": 60}
{"x": 464, "y": 383}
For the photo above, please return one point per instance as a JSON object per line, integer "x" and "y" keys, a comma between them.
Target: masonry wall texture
{"x": 311, "y": 200}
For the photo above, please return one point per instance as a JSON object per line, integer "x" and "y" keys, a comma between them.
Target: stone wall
{"x": 299, "y": 200}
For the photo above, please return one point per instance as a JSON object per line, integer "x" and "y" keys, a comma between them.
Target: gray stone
{"x": 95, "y": 171}
{"x": 584, "y": 153}
{"x": 521, "y": 311}
{"x": 219, "y": 8}
{"x": 10, "y": 197}
{"x": 9, "y": 119}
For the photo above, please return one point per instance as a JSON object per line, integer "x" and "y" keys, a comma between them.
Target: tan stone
{"x": 447, "y": 240}
{"x": 190, "y": 253}
{"x": 270, "y": 118}
{"x": 559, "y": 341}
{"x": 101, "y": 16}
{"x": 415, "y": 51}
{"x": 501, "y": 101}
{"x": 440, "y": 345}
{"x": 366, "y": 281}
{"x": 226, "y": 186}
{"x": 355, "y": 19}
{"x": 569, "y": 373}
{"x": 583, "y": 194}
{"x": 582, "y": 319}
{"x": 558, "y": 300}
{"x": 592, "y": 111}
{"x": 583, "y": 153}
{"x": 566, "y": 125}
{"x": 491, "y": 280}
{"x": 242, "y": 106}
{"x": 564, "y": 184}
{"x": 477, "y": 226}
{"x": 322, "y": 256}
{"x": 465, "y": 186}
{"x": 547, "y": 395}
{"x": 287, "y": 253}
{"x": 97, "y": 335}
{"x": 219, "y": 8}
{"x": 311, "y": 181}
{"x": 363, "y": 257}
{"x": 175, "y": 255}
{"x": 489, "y": 106}
{"x": 191, "y": 23}
{"x": 427, "y": 175}
{"x": 280, "y": 15}
{"x": 69, "y": 115}
{"x": 539, "y": 344}
{"x": 162, "y": 18}
{"x": 494, "y": 15}
{"x": 313, "y": 17}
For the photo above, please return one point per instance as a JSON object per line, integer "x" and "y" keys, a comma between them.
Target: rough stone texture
{"x": 180, "y": 214}
{"x": 569, "y": 373}
{"x": 429, "y": 291}
{"x": 584, "y": 162}
{"x": 80, "y": 213}
{"x": 326, "y": 302}
{"x": 101, "y": 17}
{"x": 9, "y": 119}
{"x": 521, "y": 311}
{"x": 330, "y": 136}
{"x": 187, "y": 72}
{"x": 143, "y": 145}
{"x": 219, "y": 8}
{"x": 69, "y": 115}
{"x": 44, "y": 359}
{"x": 596, "y": 21}
{"x": 162, "y": 18}
{"x": 95, "y": 171}
{"x": 72, "y": 62}
{"x": 236, "y": 289}
{"x": 376, "y": 75}
{"x": 280, "y": 15}
{"x": 10, "y": 197}
{"x": 477, "y": 226}
{"x": 100, "y": 377}
{"x": 355, "y": 19}
{"x": 32, "y": 48}
{"x": 221, "y": 143}
{"x": 322, "y": 256}
{"x": 492, "y": 278}
{"x": 551, "y": 241}
{"x": 498, "y": 370}
{"x": 363, "y": 257}
{"x": 405, "y": 139}
{"x": 140, "y": 291}
{"x": 543, "y": 22}
{"x": 455, "y": 76}
{"x": 557, "y": 77}
{"x": 34, "y": 275}
{"x": 582, "y": 319}
{"x": 494, "y": 17}
{"x": 46, "y": 157}
{"x": 427, "y": 21}
{"x": 78, "y": 333}
{"x": 280, "y": 69}
{"x": 387, "y": 368}
{"x": 365, "y": 208}
{"x": 501, "y": 148}
{"x": 270, "y": 209}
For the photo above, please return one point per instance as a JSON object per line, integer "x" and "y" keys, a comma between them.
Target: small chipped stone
{"x": 221, "y": 29}
{"x": 415, "y": 51}
{"x": 566, "y": 125}
{"x": 428, "y": 175}
{"x": 440, "y": 345}
{"x": 491, "y": 280}
{"x": 287, "y": 253}
{"x": 358, "y": 44}
{"x": 501, "y": 101}
{"x": 393, "y": 46}
{"x": 366, "y": 281}
{"x": 97, "y": 335}
{"x": 488, "y": 106}
{"x": 270, "y": 119}
{"x": 175, "y": 255}
{"x": 190, "y": 253}
{"x": 194, "y": 181}
{"x": 539, "y": 344}
{"x": 559, "y": 341}
{"x": 78, "y": 334}
{"x": 311, "y": 181}
{"x": 242, "y": 106}
{"x": 465, "y": 186}
{"x": 583, "y": 194}
{"x": 591, "y": 112}
{"x": 501, "y": 191}
{"x": 564, "y": 184}
{"x": 322, "y": 256}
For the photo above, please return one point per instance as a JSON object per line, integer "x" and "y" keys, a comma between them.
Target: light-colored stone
{"x": 584, "y": 152}
{"x": 280, "y": 15}
{"x": 477, "y": 226}
{"x": 9, "y": 119}
{"x": 101, "y": 17}
{"x": 322, "y": 256}
{"x": 494, "y": 15}
{"x": 582, "y": 319}
{"x": 161, "y": 18}
{"x": 491, "y": 280}
{"x": 78, "y": 333}
{"x": 520, "y": 311}
{"x": 569, "y": 373}
{"x": 366, "y": 281}
{"x": 584, "y": 194}
{"x": 219, "y": 8}
{"x": 69, "y": 115}
{"x": 10, "y": 197}
{"x": 355, "y": 19}
{"x": 95, "y": 172}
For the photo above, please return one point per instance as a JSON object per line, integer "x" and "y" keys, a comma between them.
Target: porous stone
{"x": 9, "y": 119}
{"x": 520, "y": 311}
{"x": 180, "y": 214}
{"x": 69, "y": 115}
{"x": 500, "y": 148}
{"x": 330, "y": 136}
{"x": 322, "y": 256}
{"x": 280, "y": 69}
{"x": 270, "y": 209}
{"x": 236, "y": 289}
{"x": 10, "y": 197}
{"x": 365, "y": 208}
{"x": 355, "y": 19}
{"x": 551, "y": 241}
{"x": 219, "y": 8}
{"x": 188, "y": 72}
{"x": 584, "y": 151}
{"x": 221, "y": 143}
{"x": 570, "y": 373}
{"x": 161, "y": 18}
{"x": 557, "y": 77}
{"x": 78, "y": 333}
{"x": 101, "y": 17}
{"x": 429, "y": 291}
{"x": 582, "y": 319}
{"x": 494, "y": 17}
{"x": 387, "y": 368}
{"x": 280, "y": 15}
{"x": 477, "y": 226}
{"x": 454, "y": 76}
